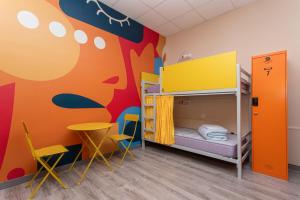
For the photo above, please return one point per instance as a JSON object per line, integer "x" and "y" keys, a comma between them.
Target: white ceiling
{"x": 171, "y": 16}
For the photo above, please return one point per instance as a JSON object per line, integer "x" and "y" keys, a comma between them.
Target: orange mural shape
{"x": 142, "y": 63}
{"x": 31, "y": 51}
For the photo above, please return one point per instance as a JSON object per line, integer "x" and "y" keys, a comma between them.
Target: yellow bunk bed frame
{"x": 214, "y": 75}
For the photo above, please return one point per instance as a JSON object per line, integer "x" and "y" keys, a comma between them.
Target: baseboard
{"x": 294, "y": 167}
{"x": 16, "y": 181}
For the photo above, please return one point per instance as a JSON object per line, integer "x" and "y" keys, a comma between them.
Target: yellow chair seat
{"x": 120, "y": 137}
{"x": 119, "y": 140}
{"x": 52, "y": 150}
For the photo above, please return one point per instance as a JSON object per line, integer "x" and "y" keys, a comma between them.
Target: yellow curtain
{"x": 164, "y": 120}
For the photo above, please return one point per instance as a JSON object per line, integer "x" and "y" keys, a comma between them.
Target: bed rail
{"x": 211, "y": 73}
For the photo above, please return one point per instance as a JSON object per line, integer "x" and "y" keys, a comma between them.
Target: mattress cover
{"x": 191, "y": 133}
{"x": 191, "y": 138}
{"x": 153, "y": 89}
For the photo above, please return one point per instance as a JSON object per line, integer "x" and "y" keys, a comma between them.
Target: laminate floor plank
{"x": 160, "y": 173}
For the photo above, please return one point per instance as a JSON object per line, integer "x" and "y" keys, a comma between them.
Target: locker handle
{"x": 255, "y": 113}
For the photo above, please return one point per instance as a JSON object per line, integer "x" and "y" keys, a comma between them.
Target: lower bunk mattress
{"x": 191, "y": 138}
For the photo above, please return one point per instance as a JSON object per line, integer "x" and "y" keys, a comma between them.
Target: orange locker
{"x": 269, "y": 115}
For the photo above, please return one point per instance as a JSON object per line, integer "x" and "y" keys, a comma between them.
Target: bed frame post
{"x": 238, "y": 124}
{"x": 250, "y": 118}
{"x": 143, "y": 113}
{"x": 160, "y": 80}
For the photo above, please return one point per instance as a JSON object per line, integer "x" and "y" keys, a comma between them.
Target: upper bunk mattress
{"x": 153, "y": 89}
{"x": 191, "y": 138}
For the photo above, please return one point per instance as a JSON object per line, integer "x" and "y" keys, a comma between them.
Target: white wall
{"x": 261, "y": 27}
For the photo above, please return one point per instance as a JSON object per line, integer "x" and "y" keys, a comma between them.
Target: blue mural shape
{"x": 102, "y": 16}
{"x": 128, "y": 128}
{"x": 74, "y": 101}
{"x": 158, "y": 63}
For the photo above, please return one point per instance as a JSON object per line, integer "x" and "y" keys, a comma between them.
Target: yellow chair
{"x": 39, "y": 154}
{"x": 120, "y": 138}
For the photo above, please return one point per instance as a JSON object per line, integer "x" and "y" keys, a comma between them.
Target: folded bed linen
{"x": 213, "y": 132}
{"x": 211, "y": 128}
{"x": 211, "y": 136}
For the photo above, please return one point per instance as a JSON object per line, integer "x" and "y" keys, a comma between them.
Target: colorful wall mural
{"x": 64, "y": 62}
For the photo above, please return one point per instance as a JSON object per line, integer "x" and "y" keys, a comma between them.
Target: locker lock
{"x": 255, "y": 101}
{"x": 267, "y": 59}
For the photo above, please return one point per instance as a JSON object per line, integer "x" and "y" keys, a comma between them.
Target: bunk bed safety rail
{"x": 245, "y": 156}
{"x": 216, "y": 72}
{"x": 245, "y": 72}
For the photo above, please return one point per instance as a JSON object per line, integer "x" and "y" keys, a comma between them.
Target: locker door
{"x": 269, "y": 117}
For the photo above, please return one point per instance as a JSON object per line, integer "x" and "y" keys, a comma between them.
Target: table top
{"x": 90, "y": 126}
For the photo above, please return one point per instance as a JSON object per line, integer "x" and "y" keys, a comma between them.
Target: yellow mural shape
{"x": 142, "y": 62}
{"x": 160, "y": 46}
{"x": 28, "y": 48}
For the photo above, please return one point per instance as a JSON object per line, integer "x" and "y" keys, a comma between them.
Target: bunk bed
{"x": 214, "y": 75}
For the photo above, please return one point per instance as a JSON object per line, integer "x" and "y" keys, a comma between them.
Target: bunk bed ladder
{"x": 154, "y": 113}
{"x": 144, "y": 116}
{"x": 153, "y": 118}
{"x": 143, "y": 113}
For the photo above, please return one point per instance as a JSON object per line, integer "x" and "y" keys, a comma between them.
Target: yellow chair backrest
{"x": 28, "y": 139}
{"x": 131, "y": 118}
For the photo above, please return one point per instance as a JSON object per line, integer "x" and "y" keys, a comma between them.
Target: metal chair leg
{"x": 50, "y": 172}
{"x": 130, "y": 152}
{"x": 86, "y": 169}
{"x": 127, "y": 150}
{"x": 29, "y": 184}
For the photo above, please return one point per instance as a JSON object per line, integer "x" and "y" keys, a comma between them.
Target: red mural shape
{"x": 7, "y": 93}
{"x": 129, "y": 97}
{"x": 112, "y": 80}
{"x": 15, "y": 173}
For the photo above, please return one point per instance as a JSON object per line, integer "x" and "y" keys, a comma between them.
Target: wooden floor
{"x": 162, "y": 173}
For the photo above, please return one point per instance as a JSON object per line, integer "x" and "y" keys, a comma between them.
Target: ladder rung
{"x": 148, "y": 130}
{"x": 149, "y": 105}
{"x": 151, "y": 94}
{"x": 148, "y": 117}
